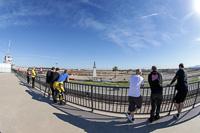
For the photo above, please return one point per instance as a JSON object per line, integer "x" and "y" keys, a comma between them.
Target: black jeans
{"x": 156, "y": 100}
{"x": 28, "y": 79}
{"x": 33, "y": 82}
{"x": 53, "y": 91}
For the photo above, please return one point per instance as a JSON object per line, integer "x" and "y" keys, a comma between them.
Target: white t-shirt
{"x": 135, "y": 82}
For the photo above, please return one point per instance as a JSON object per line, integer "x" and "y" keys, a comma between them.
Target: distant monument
{"x": 94, "y": 71}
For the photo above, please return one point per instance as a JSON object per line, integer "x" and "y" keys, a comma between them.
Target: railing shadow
{"x": 115, "y": 124}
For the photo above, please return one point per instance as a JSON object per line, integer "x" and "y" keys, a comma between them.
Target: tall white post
{"x": 94, "y": 71}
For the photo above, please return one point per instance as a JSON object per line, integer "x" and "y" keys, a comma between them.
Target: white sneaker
{"x": 129, "y": 117}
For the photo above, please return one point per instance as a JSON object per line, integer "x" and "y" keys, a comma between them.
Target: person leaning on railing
{"x": 134, "y": 97}
{"x": 181, "y": 87}
{"x": 155, "y": 82}
{"x": 54, "y": 77}
{"x": 58, "y": 85}
{"x": 28, "y": 74}
{"x": 48, "y": 79}
{"x": 33, "y": 74}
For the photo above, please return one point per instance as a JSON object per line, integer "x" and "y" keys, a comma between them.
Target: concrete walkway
{"x": 24, "y": 110}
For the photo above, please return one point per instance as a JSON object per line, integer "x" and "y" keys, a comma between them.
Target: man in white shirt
{"x": 134, "y": 97}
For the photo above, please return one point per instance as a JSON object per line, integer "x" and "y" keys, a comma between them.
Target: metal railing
{"x": 115, "y": 99}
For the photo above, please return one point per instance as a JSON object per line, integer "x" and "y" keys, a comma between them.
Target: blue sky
{"x": 125, "y": 33}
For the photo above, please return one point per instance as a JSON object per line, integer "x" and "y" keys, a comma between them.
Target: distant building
{"x": 5, "y": 68}
{"x": 8, "y": 59}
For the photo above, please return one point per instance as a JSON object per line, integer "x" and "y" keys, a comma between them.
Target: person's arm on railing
{"x": 67, "y": 80}
{"x": 175, "y": 78}
{"x": 142, "y": 84}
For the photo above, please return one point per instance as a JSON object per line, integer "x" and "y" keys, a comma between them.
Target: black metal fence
{"x": 115, "y": 99}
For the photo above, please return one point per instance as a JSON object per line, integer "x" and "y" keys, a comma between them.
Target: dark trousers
{"x": 33, "y": 82}
{"x": 52, "y": 91}
{"x": 156, "y": 100}
{"x": 28, "y": 79}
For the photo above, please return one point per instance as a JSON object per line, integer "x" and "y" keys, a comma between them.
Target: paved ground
{"x": 24, "y": 110}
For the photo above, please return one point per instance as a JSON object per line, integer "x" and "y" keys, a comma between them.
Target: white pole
{"x": 8, "y": 47}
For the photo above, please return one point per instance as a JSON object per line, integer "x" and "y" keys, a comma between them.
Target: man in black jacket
{"x": 155, "y": 82}
{"x": 181, "y": 87}
{"x": 54, "y": 77}
{"x": 48, "y": 79}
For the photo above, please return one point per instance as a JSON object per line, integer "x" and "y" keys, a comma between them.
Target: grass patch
{"x": 119, "y": 84}
{"x": 125, "y": 83}
{"x": 103, "y": 83}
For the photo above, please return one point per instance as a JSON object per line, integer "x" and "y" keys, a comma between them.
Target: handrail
{"x": 114, "y": 99}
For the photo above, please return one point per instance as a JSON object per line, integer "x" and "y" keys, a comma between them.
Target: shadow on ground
{"x": 98, "y": 123}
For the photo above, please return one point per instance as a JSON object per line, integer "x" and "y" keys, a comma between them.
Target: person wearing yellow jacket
{"x": 58, "y": 85}
{"x": 33, "y": 77}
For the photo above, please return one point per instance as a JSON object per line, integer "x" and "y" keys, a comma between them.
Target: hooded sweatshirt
{"x": 155, "y": 82}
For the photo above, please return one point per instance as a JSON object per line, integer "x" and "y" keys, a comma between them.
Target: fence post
{"x": 196, "y": 95}
{"x": 65, "y": 93}
{"x": 40, "y": 84}
{"x": 92, "y": 98}
{"x": 172, "y": 102}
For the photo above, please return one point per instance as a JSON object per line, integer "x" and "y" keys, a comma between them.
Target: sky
{"x": 129, "y": 34}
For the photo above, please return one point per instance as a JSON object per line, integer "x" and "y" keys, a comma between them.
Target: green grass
{"x": 102, "y": 83}
{"x": 123, "y": 84}
{"x": 194, "y": 79}
{"x": 106, "y": 83}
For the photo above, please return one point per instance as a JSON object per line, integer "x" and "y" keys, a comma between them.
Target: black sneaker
{"x": 156, "y": 117}
{"x": 176, "y": 116}
{"x": 133, "y": 120}
{"x": 62, "y": 103}
{"x": 151, "y": 120}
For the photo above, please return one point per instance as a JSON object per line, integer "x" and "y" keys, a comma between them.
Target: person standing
{"x": 28, "y": 76}
{"x": 181, "y": 87}
{"x": 48, "y": 78}
{"x": 58, "y": 85}
{"x": 155, "y": 82}
{"x": 54, "y": 77}
{"x": 33, "y": 77}
{"x": 134, "y": 97}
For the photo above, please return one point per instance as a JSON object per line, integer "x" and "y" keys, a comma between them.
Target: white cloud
{"x": 134, "y": 32}
{"x": 91, "y": 23}
{"x": 166, "y": 37}
{"x": 40, "y": 56}
{"x": 198, "y": 40}
{"x": 188, "y": 16}
{"x": 94, "y": 5}
{"x": 152, "y": 42}
{"x": 21, "y": 58}
{"x": 195, "y": 43}
{"x": 153, "y": 14}
{"x": 137, "y": 45}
